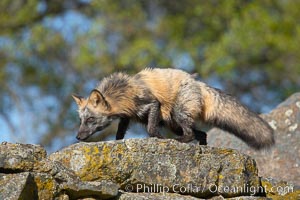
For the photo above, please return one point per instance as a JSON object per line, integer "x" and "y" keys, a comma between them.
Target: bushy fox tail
{"x": 225, "y": 112}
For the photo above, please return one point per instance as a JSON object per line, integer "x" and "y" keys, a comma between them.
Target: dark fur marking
{"x": 144, "y": 100}
{"x": 115, "y": 83}
{"x": 104, "y": 102}
{"x": 137, "y": 76}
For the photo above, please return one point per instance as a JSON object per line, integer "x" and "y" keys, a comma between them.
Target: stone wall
{"x": 133, "y": 169}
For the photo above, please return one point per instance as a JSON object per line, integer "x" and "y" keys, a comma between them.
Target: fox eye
{"x": 90, "y": 119}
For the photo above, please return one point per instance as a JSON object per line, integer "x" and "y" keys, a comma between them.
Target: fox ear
{"x": 78, "y": 99}
{"x": 97, "y": 98}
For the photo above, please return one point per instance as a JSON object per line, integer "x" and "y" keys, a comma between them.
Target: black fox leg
{"x": 123, "y": 125}
{"x": 201, "y": 137}
{"x": 153, "y": 120}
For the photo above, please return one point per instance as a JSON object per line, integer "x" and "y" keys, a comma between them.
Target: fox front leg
{"x": 122, "y": 128}
{"x": 153, "y": 120}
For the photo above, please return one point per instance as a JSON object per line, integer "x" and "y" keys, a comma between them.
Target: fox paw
{"x": 158, "y": 136}
{"x": 185, "y": 139}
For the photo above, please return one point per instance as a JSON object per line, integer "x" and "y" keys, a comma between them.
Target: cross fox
{"x": 170, "y": 98}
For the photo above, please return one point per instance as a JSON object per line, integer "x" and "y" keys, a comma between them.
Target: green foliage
{"x": 23, "y": 13}
{"x": 251, "y": 46}
{"x": 260, "y": 36}
{"x": 264, "y": 38}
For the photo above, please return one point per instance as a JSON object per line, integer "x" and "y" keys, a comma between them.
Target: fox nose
{"x": 77, "y": 137}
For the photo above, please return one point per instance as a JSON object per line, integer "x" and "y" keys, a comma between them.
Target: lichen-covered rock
{"x": 17, "y": 186}
{"x": 153, "y": 196}
{"x": 98, "y": 190}
{"x": 275, "y": 189}
{"x": 283, "y": 160}
{"x": 53, "y": 179}
{"x": 138, "y": 169}
{"x": 175, "y": 196}
{"x": 46, "y": 185}
{"x": 166, "y": 164}
{"x": 20, "y": 157}
{"x": 26, "y": 173}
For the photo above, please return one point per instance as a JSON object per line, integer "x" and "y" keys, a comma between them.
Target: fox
{"x": 171, "y": 98}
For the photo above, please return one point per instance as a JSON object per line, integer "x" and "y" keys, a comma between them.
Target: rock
{"x": 56, "y": 170}
{"x": 275, "y": 189}
{"x": 98, "y": 190}
{"x": 135, "y": 169}
{"x": 153, "y": 196}
{"x": 53, "y": 178}
{"x": 20, "y": 157}
{"x": 62, "y": 197}
{"x": 17, "y": 186}
{"x": 46, "y": 185}
{"x": 156, "y": 164}
{"x": 43, "y": 179}
{"x": 172, "y": 196}
{"x": 283, "y": 160}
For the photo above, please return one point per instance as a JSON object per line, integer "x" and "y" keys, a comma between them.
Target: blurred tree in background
{"x": 51, "y": 49}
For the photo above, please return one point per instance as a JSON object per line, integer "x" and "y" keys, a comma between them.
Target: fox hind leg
{"x": 188, "y": 135}
{"x": 201, "y": 137}
{"x": 185, "y": 122}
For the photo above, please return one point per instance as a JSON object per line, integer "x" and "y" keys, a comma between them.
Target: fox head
{"x": 94, "y": 117}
